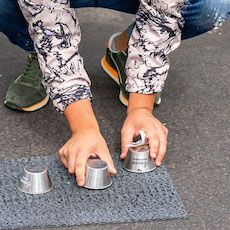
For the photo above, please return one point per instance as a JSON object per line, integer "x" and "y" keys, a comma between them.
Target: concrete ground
{"x": 195, "y": 108}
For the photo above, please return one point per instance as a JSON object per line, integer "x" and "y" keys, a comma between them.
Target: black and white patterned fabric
{"x": 156, "y": 34}
{"x": 55, "y": 30}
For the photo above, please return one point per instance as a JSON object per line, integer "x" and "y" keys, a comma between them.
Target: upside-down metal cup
{"x": 97, "y": 174}
{"x": 35, "y": 180}
{"x": 138, "y": 160}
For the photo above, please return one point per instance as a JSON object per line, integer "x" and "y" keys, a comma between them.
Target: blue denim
{"x": 14, "y": 26}
{"x": 200, "y": 16}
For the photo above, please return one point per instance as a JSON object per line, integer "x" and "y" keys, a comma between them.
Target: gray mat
{"x": 132, "y": 197}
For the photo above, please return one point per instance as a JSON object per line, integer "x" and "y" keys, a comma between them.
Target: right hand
{"x": 77, "y": 150}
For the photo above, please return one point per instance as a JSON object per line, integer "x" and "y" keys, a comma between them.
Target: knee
{"x": 218, "y": 11}
{"x": 203, "y": 15}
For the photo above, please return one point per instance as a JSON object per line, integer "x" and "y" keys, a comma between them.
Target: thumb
{"x": 108, "y": 159}
{"x": 126, "y": 139}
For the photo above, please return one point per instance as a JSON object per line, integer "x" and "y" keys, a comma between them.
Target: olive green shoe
{"x": 113, "y": 63}
{"x": 27, "y": 92}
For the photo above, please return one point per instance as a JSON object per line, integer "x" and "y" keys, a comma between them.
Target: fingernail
{"x": 80, "y": 183}
{"x": 153, "y": 155}
{"x": 158, "y": 163}
{"x": 113, "y": 170}
{"x": 122, "y": 155}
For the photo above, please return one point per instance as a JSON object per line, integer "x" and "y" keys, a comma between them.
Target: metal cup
{"x": 138, "y": 160}
{"x": 97, "y": 174}
{"x": 35, "y": 180}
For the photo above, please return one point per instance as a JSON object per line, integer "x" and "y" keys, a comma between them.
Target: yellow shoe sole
{"x": 114, "y": 75}
{"x": 37, "y": 106}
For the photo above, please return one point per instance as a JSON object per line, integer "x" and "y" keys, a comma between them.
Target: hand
{"x": 83, "y": 144}
{"x": 142, "y": 118}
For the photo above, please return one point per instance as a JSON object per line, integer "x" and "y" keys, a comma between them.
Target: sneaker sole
{"x": 114, "y": 75}
{"x": 109, "y": 70}
{"x": 37, "y": 106}
{"x": 157, "y": 103}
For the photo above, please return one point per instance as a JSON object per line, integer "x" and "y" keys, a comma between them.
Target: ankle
{"x": 121, "y": 41}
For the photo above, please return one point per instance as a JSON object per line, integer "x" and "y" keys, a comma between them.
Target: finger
{"x": 71, "y": 161}
{"x": 66, "y": 155}
{"x": 62, "y": 157}
{"x": 61, "y": 152}
{"x": 105, "y": 156}
{"x": 126, "y": 139}
{"x": 136, "y": 134}
{"x": 153, "y": 144}
{"x": 80, "y": 168}
{"x": 162, "y": 151}
{"x": 93, "y": 154}
{"x": 166, "y": 132}
{"x": 64, "y": 161}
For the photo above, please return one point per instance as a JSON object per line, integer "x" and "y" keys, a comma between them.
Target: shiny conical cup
{"x": 97, "y": 174}
{"x": 35, "y": 180}
{"x": 138, "y": 160}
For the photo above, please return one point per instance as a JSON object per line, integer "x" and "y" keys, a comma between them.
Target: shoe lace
{"x": 32, "y": 73}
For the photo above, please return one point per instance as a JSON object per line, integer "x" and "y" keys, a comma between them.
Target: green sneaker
{"x": 27, "y": 92}
{"x": 113, "y": 63}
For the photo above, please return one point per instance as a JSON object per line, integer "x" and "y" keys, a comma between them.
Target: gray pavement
{"x": 195, "y": 108}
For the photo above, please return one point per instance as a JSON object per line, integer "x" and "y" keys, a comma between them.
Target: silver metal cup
{"x": 97, "y": 174}
{"x": 138, "y": 160}
{"x": 35, "y": 180}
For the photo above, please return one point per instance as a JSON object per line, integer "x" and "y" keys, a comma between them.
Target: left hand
{"x": 143, "y": 119}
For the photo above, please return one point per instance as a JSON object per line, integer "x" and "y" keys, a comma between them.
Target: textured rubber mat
{"x": 131, "y": 197}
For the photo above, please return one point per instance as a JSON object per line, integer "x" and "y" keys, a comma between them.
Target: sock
{"x": 130, "y": 30}
{"x": 113, "y": 45}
